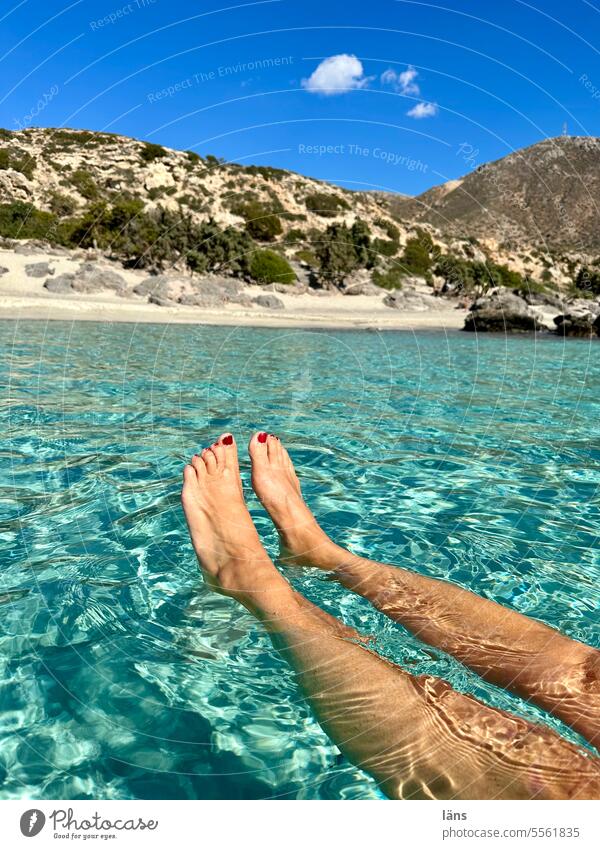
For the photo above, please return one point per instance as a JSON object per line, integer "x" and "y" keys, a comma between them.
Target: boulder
{"x": 297, "y": 288}
{"x": 242, "y": 300}
{"x": 270, "y": 302}
{"x": 61, "y": 285}
{"x": 157, "y": 285}
{"x": 411, "y": 301}
{"x": 501, "y": 311}
{"x": 38, "y": 269}
{"x": 356, "y": 283}
{"x": 91, "y": 277}
{"x": 28, "y": 248}
{"x": 161, "y": 302}
{"x": 580, "y": 324}
{"x": 208, "y": 301}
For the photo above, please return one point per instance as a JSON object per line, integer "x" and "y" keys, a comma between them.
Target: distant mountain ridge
{"x": 547, "y": 195}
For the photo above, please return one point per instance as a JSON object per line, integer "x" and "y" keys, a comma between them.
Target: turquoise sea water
{"x": 470, "y": 458}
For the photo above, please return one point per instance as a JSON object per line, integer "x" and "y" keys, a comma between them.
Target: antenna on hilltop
{"x": 565, "y": 129}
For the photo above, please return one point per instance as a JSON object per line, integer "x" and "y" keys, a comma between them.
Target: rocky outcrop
{"x": 209, "y": 292}
{"x": 88, "y": 279}
{"x": 577, "y": 323}
{"x": 410, "y": 300}
{"x": 501, "y": 311}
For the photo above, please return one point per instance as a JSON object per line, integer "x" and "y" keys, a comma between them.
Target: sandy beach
{"x": 24, "y": 297}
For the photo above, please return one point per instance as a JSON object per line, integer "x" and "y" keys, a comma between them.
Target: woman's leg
{"x": 416, "y": 736}
{"x": 504, "y": 647}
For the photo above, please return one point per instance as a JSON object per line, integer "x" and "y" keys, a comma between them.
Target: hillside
{"x": 153, "y": 208}
{"x": 546, "y": 195}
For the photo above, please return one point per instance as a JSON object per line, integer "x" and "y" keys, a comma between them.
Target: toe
{"x": 190, "y": 490}
{"x": 198, "y": 466}
{"x": 273, "y": 448}
{"x": 258, "y": 447}
{"x": 219, "y": 451}
{"x": 230, "y": 453}
{"x": 190, "y": 478}
{"x": 210, "y": 460}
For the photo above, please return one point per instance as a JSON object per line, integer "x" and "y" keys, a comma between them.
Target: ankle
{"x": 314, "y": 549}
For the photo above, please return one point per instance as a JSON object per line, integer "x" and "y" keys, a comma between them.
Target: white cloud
{"x": 404, "y": 82}
{"x": 336, "y": 75}
{"x": 389, "y": 77}
{"x": 423, "y": 110}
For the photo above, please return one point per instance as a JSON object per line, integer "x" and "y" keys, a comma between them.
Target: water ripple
{"x": 121, "y": 676}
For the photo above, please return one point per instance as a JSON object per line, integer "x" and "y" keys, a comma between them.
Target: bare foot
{"x": 228, "y": 548}
{"x": 303, "y": 542}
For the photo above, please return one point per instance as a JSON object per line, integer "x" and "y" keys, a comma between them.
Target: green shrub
{"x": 466, "y": 275}
{"x": 265, "y": 171}
{"x": 325, "y": 205}
{"x": 25, "y": 163}
{"x": 294, "y": 235}
{"x": 160, "y": 191}
{"x": 309, "y": 257}
{"x": 150, "y": 152}
{"x": 391, "y": 278}
{"x": 269, "y": 267}
{"x": 64, "y": 138}
{"x": 385, "y": 247}
{"x": 193, "y": 157}
{"x": 85, "y": 184}
{"x": 505, "y": 277}
{"x": 588, "y": 280}
{"x": 262, "y": 224}
{"x": 61, "y": 204}
{"x": 389, "y": 228}
{"x": 19, "y": 220}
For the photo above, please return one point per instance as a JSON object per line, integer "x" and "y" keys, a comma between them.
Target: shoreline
{"x": 23, "y": 296}
{"x": 327, "y": 314}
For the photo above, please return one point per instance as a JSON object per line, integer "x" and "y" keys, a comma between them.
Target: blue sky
{"x": 324, "y": 88}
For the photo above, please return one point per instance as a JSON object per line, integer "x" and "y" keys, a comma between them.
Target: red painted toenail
{"x": 228, "y": 440}
{"x": 262, "y": 437}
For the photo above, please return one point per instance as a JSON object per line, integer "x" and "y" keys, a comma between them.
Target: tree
{"x": 361, "y": 240}
{"x": 416, "y": 258}
{"x": 336, "y": 254}
{"x": 215, "y": 249}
